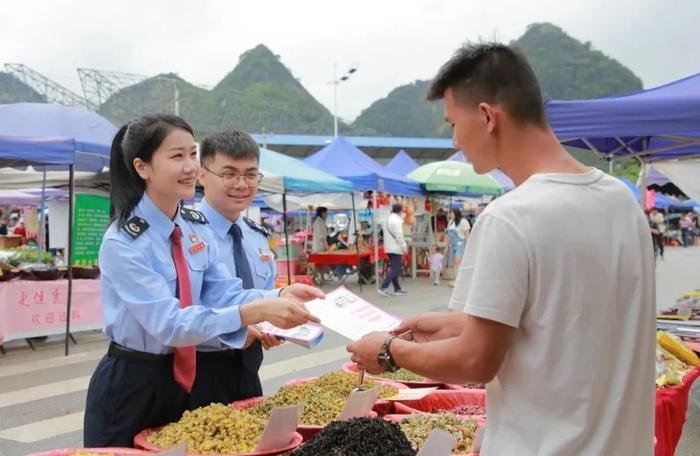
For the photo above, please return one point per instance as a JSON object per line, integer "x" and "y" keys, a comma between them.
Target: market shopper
{"x": 660, "y": 221}
{"x": 558, "y": 312}
{"x": 687, "y": 228}
{"x": 394, "y": 246}
{"x": 458, "y": 231}
{"x": 319, "y": 242}
{"x": 230, "y": 174}
{"x": 4, "y": 222}
{"x": 656, "y": 235}
{"x": 163, "y": 290}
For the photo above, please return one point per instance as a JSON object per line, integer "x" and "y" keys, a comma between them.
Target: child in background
{"x": 437, "y": 261}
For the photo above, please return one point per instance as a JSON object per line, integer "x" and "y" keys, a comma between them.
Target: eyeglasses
{"x": 252, "y": 178}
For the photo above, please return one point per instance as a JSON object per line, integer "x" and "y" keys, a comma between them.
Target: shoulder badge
{"x": 135, "y": 227}
{"x": 193, "y": 216}
{"x": 256, "y": 226}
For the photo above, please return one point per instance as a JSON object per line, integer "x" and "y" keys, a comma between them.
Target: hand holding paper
{"x": 349, "y": 315}
{"x": 308, "y": 335}
{"x": 365, "y": 351}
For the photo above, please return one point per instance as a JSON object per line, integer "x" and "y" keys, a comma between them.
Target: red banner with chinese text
{"x": 31, "y": 308}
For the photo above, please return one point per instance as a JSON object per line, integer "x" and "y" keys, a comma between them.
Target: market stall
{"x": 346, "y": 161}
{"x": 51, "y": 138}
{"x": 298, "y": 178}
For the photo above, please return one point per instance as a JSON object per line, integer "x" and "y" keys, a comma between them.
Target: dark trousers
{"x": 687, "y": 237}
{"x": 394, "y": 272}
{"x": 658, "y": 244}
{"x": 227, "y": 376}
{"x": 127, "y": 396}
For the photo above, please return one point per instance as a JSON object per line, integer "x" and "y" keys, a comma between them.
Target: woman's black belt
{"x": 127, "y": 354}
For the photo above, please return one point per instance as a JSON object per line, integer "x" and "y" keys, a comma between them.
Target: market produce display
{"x": 214, "y": 429}
{"x": 464, "y": 410}
{"x": 320, "y": 407}
{"x": 344, "y": 382}
{"x": 479, "y": 386}
{"x": 323, "y": 398}
{"x": 673, "y": 360}
{"x": 687, "y": 308}
{"x": 418, "y": 427}
{"x": 677, "y": 348}
{"x": 359, "y": 436}
{"x": 402, "y": 374}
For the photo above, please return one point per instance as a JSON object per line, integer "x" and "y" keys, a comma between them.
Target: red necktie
{"x": 185, "y": 362}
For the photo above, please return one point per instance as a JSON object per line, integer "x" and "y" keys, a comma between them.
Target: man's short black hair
{"x": 231, "y": 142}
{"x": 492, "y": 73}
{"x": 396, "y": 208}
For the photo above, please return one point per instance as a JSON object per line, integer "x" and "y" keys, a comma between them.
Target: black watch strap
{"x": 385, "y": 358}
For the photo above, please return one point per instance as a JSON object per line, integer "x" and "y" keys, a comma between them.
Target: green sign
{"x": 90, "y": 220}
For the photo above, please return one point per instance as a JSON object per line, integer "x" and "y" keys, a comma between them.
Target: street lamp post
{"x": 336, "y": 81}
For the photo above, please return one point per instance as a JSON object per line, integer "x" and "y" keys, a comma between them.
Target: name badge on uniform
{"x": 264, "y": 255}
{"x": 198, "y": 247}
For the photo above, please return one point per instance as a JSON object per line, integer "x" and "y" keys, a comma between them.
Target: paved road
{"x": 42, "y": 393}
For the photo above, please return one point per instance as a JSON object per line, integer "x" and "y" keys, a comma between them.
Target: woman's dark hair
{"x": 137, "y": 139}
{"x": 321, "y": 210}
{"x": 458, "y": 215}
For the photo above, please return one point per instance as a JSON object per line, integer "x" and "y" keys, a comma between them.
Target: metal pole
{"x": 42, "y": 219}
{"x": 71, "y": 196}
{"x": 643, "y": 184}
{"x": 357, "y": 240}
{"x": 335, "y": 100}
{"x": 376, "y": 237}
{"x": 306, "y": 228}
{"x": 286, "y": 237}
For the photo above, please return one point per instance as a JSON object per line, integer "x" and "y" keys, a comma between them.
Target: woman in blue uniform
{"x": 163, "y": 293}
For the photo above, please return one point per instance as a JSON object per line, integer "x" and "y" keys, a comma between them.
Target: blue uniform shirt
{"x": 258, "y": 254}
{"x": 260, "y": 258}
{"x": 138, "y": 281}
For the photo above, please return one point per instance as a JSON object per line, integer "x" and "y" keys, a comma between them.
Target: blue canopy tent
{"x": 90, "y": 133}
{"x": 26, "y": 150}
{"x": 662, "y": 123}
{"x": 50, "y": 137}
{"x": 402, "y": 164}
{"x": 660, "y": 201}
{"x": 346, "y": 161}
{"x": 299, "y": 177}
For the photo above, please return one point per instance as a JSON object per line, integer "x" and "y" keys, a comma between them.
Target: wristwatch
{"x": 384, "y": 357}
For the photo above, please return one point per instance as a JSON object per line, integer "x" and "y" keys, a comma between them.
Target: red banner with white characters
{"x": 31, "y": 308}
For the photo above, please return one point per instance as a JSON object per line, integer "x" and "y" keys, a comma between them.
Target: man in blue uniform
{"x": 230, "y": 176}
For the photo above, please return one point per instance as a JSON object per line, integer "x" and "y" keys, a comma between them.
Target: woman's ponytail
{"x": 126, "y": 187}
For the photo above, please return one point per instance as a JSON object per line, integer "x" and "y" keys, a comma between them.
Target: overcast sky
{"x": 393, "y": 42}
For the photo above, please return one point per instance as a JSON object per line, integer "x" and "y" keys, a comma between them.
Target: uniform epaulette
{"x": 135, "y": 227}
{"x": 256, "y": 226}
{"x": 193, "y": 216}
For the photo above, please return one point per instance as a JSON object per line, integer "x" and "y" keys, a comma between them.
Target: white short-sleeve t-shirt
{"x": 579, "y": 376}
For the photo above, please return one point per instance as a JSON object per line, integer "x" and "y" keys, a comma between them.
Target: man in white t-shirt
{"x": 558, "y": 311}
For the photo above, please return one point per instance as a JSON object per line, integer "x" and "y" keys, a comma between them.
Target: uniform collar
{"x": 220, "y": 224}
{"x": 157, "y": 220}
